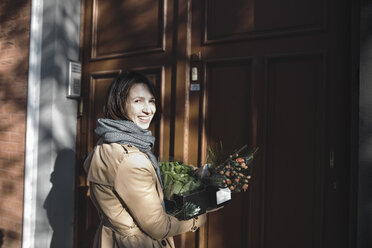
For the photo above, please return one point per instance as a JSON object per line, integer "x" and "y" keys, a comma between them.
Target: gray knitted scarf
{"x": 127, "y": 132}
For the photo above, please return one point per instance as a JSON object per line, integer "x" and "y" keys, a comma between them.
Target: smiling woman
{"x": 124, "y": 175}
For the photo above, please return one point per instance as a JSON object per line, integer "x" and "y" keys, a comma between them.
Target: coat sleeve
{"x": 135, "y": 184}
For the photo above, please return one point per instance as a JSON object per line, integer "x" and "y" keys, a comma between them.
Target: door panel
{"x": 295, "y": 151}
{"x": 247, "y": 19}
{"x": 225, "y": 19}
{"x": 228, "y": 102}
{"x": 294, "y": 15}
{"x": 228, "y": 116}
{"x": 131, "y": 27}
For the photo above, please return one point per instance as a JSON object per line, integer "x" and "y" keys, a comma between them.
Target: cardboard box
{"x": 190, "y": 205}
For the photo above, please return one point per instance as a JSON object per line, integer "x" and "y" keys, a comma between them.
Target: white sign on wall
{"x": 74, "y": 79}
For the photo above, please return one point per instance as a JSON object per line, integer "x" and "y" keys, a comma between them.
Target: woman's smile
{"x": 144, "y": 119}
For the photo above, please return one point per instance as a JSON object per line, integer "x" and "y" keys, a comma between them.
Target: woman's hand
{"x": 193, "y": 167}
{"x": 202, "y": 171}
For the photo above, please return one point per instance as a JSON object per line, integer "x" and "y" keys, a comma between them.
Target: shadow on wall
{"x": 59, "y": 202}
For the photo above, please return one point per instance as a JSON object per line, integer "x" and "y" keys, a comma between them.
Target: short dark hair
{"x": 118, "y": 93}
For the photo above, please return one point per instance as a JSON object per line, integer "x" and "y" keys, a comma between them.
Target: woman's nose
{"x": 146, "y": 108}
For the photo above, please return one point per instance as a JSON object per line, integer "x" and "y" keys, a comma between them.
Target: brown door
{"x": 272, "y": 74}
{"x": 276, "y": 75}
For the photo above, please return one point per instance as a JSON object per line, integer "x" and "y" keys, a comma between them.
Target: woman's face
{"x": 140, "y": 105}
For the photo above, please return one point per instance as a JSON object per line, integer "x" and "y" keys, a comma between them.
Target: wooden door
{"x": 276, "y": 75}
{"x": 272, "y": 74}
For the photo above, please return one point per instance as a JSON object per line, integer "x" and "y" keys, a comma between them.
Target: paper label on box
{"x": 223, "y": 195}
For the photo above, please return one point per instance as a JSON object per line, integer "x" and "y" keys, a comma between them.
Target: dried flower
{"x": 240, "y": 160}
{"x": 235, "y": 170}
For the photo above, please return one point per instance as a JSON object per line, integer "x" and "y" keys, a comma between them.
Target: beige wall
{"x": 14, "y": 50}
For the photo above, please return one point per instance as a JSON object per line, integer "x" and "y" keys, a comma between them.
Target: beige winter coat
{"x": 127, "y": 194}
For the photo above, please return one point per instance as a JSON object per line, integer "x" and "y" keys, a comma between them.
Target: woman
{"x": 124, "y": 176}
